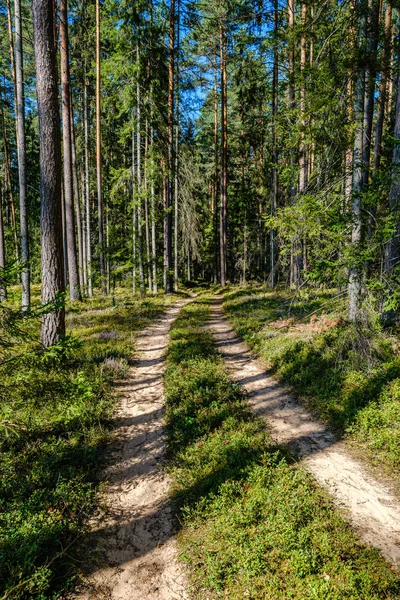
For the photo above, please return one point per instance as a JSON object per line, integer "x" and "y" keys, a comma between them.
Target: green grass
{"x": 252, "y": 523}
{"x": 55, "y": 410}
{"x": 348, "y": 376}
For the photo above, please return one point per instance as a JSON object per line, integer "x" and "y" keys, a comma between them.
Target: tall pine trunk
{"x": 224, "y": 154}
{"x": 170, "y": 166}
{"x": 3, "y": 288}
{"x": 98, "y": 155}
{"x": 274, "y": 187}
{"x": 383, "y": 88}
{"x": 21, "y": 145}
{"x": 9, "y": 187}
{"x": 77, "y": 203}
{"x": 176, "y": 193}
{"x": 139, "y": 178}
{"x": 74, "y": 288}
{"x": 51, "y": 238}
{"x": 87, "y": 193}
{"x": 392, "y": 248}
{"x": 355, "y": 271}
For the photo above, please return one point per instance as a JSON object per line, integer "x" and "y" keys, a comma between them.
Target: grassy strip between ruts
{"x": 348, "y": 375}
{"x": 55, "y": 409}
{"x": 252, "y": 523}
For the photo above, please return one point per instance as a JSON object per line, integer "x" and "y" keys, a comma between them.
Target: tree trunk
{"x": 164, "y": 185}
{"x": 98, "y": 155}
{"x": 303, "y": 61}
{"x": 274, "y": 189}
{"x": 87, "y": 193}
{"x": 216, "y": 176}
{"x": 176, "y": 216}
{"x": 153, "y": 216}
{"x": 21, "y": 144}
{"x": 134, "y": 223}
{"x": 3, "y": 288}
{"x": 12, "y": 61}
{"x": 224, "y": 154}
{"x": 383, "y": 88}
{"x": 170, "y": 173}
{"x": 9, "y": 187}
{"x": 355, "y": 271}
{"x": 53, "y": 322}
{"x": 77, "y": 202}
{"x": 392, "y": 248}
{"x": 139, "y": 180}
{"x": 146, "y": 209}
{"x": 74, "y": 289}
{"x": 370, "y": 82}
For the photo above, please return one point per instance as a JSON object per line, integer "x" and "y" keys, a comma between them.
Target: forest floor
{"x": 215, "y": 481}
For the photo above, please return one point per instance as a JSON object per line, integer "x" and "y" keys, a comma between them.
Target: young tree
{"x": 53, "y": 322}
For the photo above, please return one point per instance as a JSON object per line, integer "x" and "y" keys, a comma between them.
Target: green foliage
{"x": 254, "y": 525}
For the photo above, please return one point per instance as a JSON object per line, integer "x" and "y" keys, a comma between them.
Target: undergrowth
{"x": 348, "y": 375}
{"x": 55, "y": 409}
{"x": 253, "y": 524}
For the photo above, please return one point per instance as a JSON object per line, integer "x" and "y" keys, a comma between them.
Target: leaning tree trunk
{"x": 21, "y": 144}
{"x": 74, "y": 289}
{"x": 53, "y": 322}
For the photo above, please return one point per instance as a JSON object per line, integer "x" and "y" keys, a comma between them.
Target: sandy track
{"x": 131, "y": 549}
{"x": 372, "y": 509}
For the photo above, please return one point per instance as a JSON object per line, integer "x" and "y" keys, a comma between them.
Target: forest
{"x": 199, "y": 299}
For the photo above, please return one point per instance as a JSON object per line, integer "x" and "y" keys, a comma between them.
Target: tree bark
{"x": 170, "y": 173}
{"x": 21, "y": 145}
{"x": 87, "y": 193}
{"x": 146, "y": 209}
{"x": 303, "y": 61}
{"x": 77, "y": 202}
{"x": 73, "y": 276}
{"x": 216, "y": 176}
{"x": 355, "y": 271}
{"x": 176, "y": 215}
{"x": 139, "y": 179}
{"x": 274, "y": 188}
{"x": 98, "y": 155}
{"x": 53, "y": 322}
{"x": 224, "y": 154}
{"x": 370, "y": 82}
{"x": 392, "y": 248}
{"x": 383, "y": 88}
{"x": 134, "y": 219}
{"x": 9, "y": 187}
{"x": 3, "y": 288}
{"x": 12, "y": 61}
